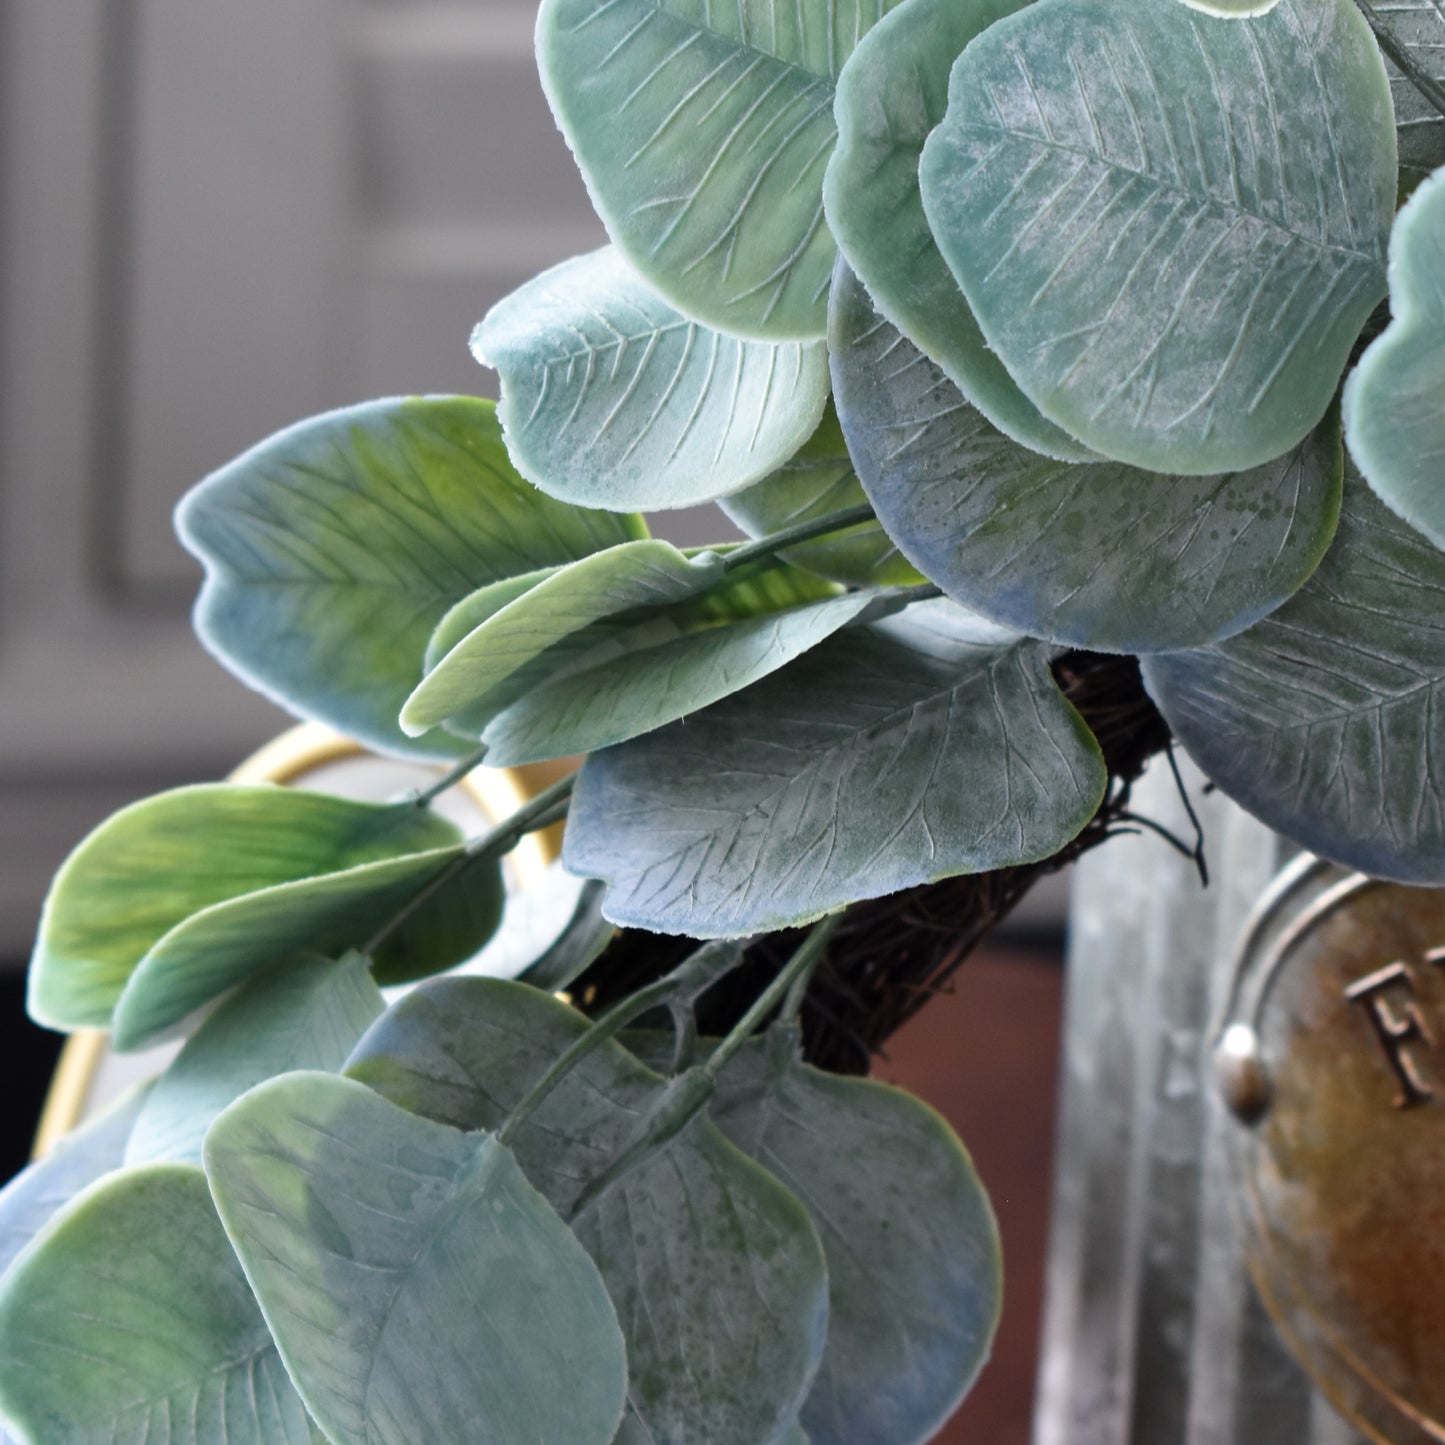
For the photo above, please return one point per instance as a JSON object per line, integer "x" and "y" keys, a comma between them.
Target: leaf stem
{"x": 1396, "y": 49}
{"x": 688, "y": 1094}
{"x": 425, "y": 797}
{"x": 692, "y": 977}
{"x": 545, "y": 809}
{"x": 787, "y": 989}
{"x": 801, "y": 532}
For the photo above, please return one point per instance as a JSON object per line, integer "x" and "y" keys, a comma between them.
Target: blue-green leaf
{"x": 1096, "y": 555}
{"x": 1395, "y": 398}
{"x": 231, "y": 942}
{"x": 333, "y": 549}
{"x": 891, "y": 94}
{"x": 1171, "y": 228}
{"x": 909, "y": 750}
{"x": 31, "y": 1199}
{"x": 417, "y": 1286}
{"x": 914, "y": 1266}
{"x": 611, "y": 398}
{"x": 818, "y": 481}
{"x": 303, "y": 1015}
{"x": 129, "y": 1320}
{"x": 1413, "y": 32}
{"x": 156, "y": 863}
{"x": 1327, "y": 719}
{"x": 717, "y": 1275}
{"x": 702, "y": 135}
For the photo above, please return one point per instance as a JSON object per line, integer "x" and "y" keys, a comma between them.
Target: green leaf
{"x": 33, "y": 1197}
{"x": 612, "y": 398}
{"x": 333, "y": 549}
{"x": 417, "y": 1286}
{"x": 627, "y": 599}
{"x": 130, "y": 1320}
{"x": 303, "y": 1015}
{"x": 1170, "y": 228}
{"x": 817, "y": 482}
{"x": 230, "y": 943}
{"x": 1395, "y": 399}
{"x": 891, "y": 94}
{"x": 1326, "y": 719}
{"x": 1412, "y": 32}
{"x": 982, "y": 761}
{"x": 1095, "y": 555}
{"x": 648, "y": 687}
{"x": 703, "y": 136}
{"x": 717, "y": 1275}
{"x": 914, "y": 1264}
{"x": 156, "y": 863}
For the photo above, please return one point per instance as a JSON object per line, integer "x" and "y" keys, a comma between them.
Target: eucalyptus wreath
{"x": 1077, "y": 372}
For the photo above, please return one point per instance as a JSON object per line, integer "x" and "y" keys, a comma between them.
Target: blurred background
{"x": 218, "y": 218}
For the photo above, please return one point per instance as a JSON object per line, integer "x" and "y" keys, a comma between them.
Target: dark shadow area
{"x": 27, "y": 1058}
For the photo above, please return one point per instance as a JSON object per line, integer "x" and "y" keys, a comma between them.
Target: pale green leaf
{"x": 1395, "y": 398}
{"x": 647, "y": 687}
{"x": 702, "y": 134}
{"x": 627, "y": 599}
{"x": 1170, "y": 228}
{"x": 231, "y": 942}
{"x": 130, "y": 1321}
{"x": 717, "y": 1276}
{"x": 302, "y": 1015}
{"x": 818, "y": 481}
{"x": 36, "y": 1194}
{"x": 1327, "y": 719}
{"x": 612, "y": 398}
{"x": 1094, "y": 555}
{"x": 914, "y": 1265}
{"x": 154, "y": 864}
{"x": 910, "y": 750}
{"x": 891, "y": 94}
{"x": 333, "y": 549}
{"x": 417, "y": 1286}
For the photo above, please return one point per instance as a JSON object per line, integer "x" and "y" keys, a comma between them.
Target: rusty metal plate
{"x": 1331, "y": 1057}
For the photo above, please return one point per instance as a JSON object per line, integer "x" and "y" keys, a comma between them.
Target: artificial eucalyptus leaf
{"x": 156, "y": 863}
{"x": 230, "y": 943}
{"x": 913, "y": 749}
{"x": 1412, "y": 35}
{"x": 332, "y": 550}
{"x": 647, "y": 687}
{"x": 307, "y": 1014}
{"x": 1325, "y": 719}
{"x": 1094, "y": 555}
{"x": 416, "y": 1285}
{"x": 815, "y": 482}
{"x": 1171, "y": 228}
{"x": 891, "y": 94}
{"x": 716, "y": 1273}
{"x": 129, "y": 1321}
{"x": 612, "y": 398}
{"x": 35, "y": 1195}
{"x": 627, "y": 599}
{"x": 1395, "y": 398}
{"x": 702, "y": 137}
{"x": 914, "y": 1263}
